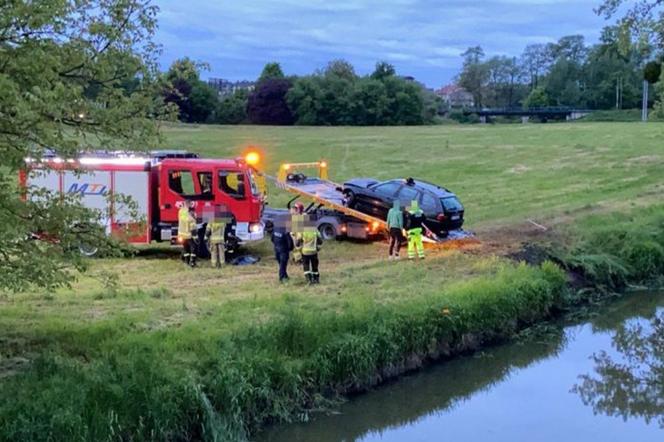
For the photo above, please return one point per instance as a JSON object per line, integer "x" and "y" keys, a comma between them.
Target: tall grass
{"x": 614, "y": 250}
{"x": 190, "y": 384}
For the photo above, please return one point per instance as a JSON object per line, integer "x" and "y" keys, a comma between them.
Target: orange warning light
{"x": 252, "y": 158}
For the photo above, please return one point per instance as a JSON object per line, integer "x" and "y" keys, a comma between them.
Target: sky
{"x": 421, "y": 38}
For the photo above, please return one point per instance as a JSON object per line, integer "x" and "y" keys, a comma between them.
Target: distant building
{"x": 227, "y": 87}
{"x": 455, "y": 96}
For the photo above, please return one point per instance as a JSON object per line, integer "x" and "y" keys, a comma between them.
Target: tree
{"x": 641, "y": 26}
{"x": 383, "y": 70}
{"x": 337, "y": 96}
{"x": 536, "y": 59}
{"x": 652, "y": 71}
{"x": 305, "y": 100}
{"x": 204, "y": 101}
{"x": 195, "y": 100}
{"x": 537, "y": 98}
{"x": 475, "y": 74}
{"x": 271, "y": 71}
{"x": 232, "y": 109}
{"x": 341, "y": 69}
{"x": 610, "y": 76}
{"x": 64, "y": 64}
{"x": 571, "y": 48}
{"x": 267, "y": 103}
{"x": 369, "y": 102}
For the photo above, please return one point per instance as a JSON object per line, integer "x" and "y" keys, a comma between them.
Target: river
{"x": 596, "y": 377}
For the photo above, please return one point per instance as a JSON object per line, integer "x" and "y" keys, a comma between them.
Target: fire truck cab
{"x": 229, "y": 183}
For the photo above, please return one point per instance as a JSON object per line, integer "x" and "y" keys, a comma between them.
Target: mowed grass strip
{"x": 502, "y": 173}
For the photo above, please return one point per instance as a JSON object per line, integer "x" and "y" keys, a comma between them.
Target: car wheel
{"x": 327, "y": 231}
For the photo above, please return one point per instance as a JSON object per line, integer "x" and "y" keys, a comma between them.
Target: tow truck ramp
{"x": 325, "y": 193}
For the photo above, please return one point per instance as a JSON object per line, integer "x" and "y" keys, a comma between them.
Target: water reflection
{"x": 630, "y": 382}
{"x": 508, "y": 392}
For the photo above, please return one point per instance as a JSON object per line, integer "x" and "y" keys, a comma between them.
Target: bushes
{"x": 464, "y": 118}
{"x": 625, "y": 115}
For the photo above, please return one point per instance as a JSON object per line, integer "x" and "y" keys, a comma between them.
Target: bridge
{"x": 542, "y": 113}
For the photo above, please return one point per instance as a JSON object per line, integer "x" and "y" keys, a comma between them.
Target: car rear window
{"x": 451, "y": 204}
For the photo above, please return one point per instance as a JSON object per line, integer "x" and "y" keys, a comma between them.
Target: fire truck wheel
{"x": 87, "y": 249}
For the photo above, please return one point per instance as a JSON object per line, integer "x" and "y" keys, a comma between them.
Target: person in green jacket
{"x": 414, "y": 227}
{"x": 395, "y": 225}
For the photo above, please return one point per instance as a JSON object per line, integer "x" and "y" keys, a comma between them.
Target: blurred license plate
{"x": 455, "y": 217}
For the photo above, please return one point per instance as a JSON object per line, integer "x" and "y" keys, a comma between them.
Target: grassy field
{"x": 203, "y": 353}
{"x": 501, "y": 173}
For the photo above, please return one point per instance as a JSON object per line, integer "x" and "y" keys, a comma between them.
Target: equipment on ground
{"x": 158, "y": 183}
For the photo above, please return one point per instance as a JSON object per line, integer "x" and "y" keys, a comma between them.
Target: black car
{"x": 443, "y": 210}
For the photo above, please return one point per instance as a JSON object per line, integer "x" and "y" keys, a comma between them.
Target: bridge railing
{"x": 550, "y": 110}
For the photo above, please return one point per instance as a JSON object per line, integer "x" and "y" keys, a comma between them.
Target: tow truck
{"x": 328, "y": 201}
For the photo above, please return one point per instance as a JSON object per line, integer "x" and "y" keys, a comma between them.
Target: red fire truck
{"x": 158, "y": 183}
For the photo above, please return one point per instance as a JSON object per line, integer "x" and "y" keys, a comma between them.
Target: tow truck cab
{"x": 207, "y": 182}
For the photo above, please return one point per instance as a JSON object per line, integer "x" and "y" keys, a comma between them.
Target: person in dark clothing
{"x": 283, "y": 245}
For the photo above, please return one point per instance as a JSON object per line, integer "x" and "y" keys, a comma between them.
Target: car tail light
{"x": 441, "y": 217}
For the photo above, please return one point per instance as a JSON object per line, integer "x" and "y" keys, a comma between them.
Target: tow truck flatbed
{"x": 329, "y": 194}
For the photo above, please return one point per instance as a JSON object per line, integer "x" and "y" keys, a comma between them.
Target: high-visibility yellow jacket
{"x": 311, "y": 242}
{"x": 215, "y": 230}
{"x": 186, "y": 223}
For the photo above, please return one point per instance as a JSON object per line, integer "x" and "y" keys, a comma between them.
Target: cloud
{"x": 423, "y": 38}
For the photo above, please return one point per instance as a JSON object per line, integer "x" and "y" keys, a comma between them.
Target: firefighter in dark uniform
{"x": 283, "y": 244}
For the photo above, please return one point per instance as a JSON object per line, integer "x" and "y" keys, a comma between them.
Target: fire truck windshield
{"x": 252, "y": 182}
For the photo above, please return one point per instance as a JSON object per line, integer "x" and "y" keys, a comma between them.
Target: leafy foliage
{"x": 195, "y": 100}
{"x": 267, "y": 103}
{"x": 337, "y": 96}
{"x": 75, "y": 75}
{"x": 271, "y": 71}
{"x": 568, "y": 71}
{"x": 536, "y": 98}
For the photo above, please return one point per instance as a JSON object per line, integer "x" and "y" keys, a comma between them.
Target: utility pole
{"x": 644, "y": 111}
{"x": 619, "y": 92}
{"x": 622, "y": 80}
